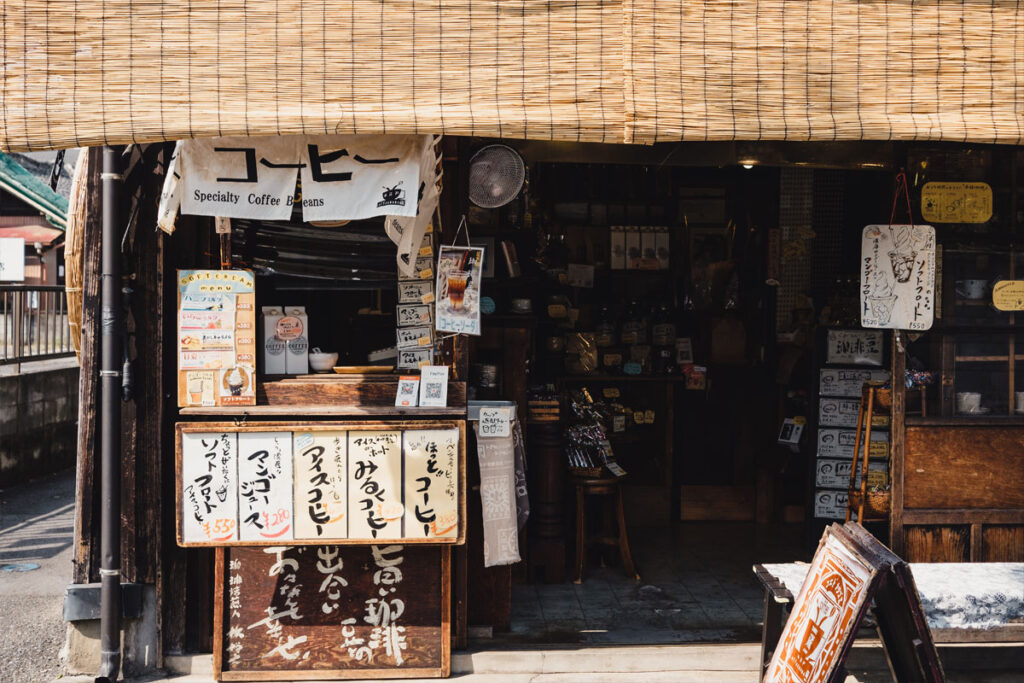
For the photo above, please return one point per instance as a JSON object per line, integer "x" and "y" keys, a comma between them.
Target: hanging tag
{"x": 495, "y": 422}
{"x": 222, "y": 225}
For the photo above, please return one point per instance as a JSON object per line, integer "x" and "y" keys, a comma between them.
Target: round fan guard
{"x": 496, "y": 175}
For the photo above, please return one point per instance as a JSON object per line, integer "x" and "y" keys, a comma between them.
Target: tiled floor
{"x": 696, "y": 585}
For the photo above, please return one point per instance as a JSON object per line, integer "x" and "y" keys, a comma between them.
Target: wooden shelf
{"x": 622, "y": 378}
{"x": 320, "y": 410}
{"x": 988, "y": 359}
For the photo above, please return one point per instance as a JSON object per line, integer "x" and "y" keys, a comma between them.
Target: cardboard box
{"x": 297, "y": 338}
{"x": 273, "y": 346}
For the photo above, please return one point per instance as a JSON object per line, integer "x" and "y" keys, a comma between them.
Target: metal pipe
{"x": 110, "y": 421}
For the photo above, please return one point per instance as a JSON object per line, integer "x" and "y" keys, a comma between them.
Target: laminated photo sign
{"x": 897, "y": 277}
{"x": 458, "y": 289}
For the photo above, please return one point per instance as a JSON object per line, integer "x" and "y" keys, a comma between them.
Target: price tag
{"x": 618, "y": 423}
{"x": 494, "y": 422}
{"x": 611, "y": 392}
{"x": 649, "y": 416}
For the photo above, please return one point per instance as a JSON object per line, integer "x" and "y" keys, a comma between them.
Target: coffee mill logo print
{"x": 392, "y": 196}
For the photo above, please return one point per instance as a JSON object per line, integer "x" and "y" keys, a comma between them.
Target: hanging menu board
{"x": 897, "y": 277}
{"x": 330, "y": 612}
{"x": 346, "y": 483}
{"x": 216, "y": 338}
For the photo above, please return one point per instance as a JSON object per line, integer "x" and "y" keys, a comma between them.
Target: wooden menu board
{"x": 332, "y": 612}
{"x": 300, "y": 483}
{"x": 850, "y": 569}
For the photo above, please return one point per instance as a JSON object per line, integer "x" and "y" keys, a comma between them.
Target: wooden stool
{"x": 600, "y": 486}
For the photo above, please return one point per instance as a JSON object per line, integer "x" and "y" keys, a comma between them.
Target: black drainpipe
{"x": 110, "y": 421}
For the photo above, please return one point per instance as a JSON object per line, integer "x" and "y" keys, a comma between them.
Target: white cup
{"x": 968, "y": 402}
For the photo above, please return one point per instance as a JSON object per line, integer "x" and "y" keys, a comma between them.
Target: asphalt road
{"x": 36, "y": 522}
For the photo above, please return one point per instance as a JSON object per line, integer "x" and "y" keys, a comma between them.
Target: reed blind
{"x": 87, "y": 72}
{"x": 825, "y": 70}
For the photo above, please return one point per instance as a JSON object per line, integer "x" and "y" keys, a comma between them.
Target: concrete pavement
{"x": 36, "y": 529}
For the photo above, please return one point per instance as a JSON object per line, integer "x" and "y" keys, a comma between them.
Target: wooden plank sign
{"x": 897, "y": 277}
{"x": 330, "y": 612}
{"x": 265, "y": 483}
{"x": 849, "y": 568}
{"x": 209, "y": 481}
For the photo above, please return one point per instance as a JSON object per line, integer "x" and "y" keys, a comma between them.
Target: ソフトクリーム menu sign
{"x": 216, "y": 338}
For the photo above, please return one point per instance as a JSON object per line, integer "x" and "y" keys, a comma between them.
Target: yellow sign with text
{"x": 1008, "y": 295}
{"x": 956, "y": 202}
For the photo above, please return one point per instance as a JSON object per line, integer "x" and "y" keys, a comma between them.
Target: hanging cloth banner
{"x": 240, "y": 177}
{"x": 350, "y": 177}
{"x": 408, "y": 232}
{"x": 344, "y": 177}
{"x": 170, "y": 198}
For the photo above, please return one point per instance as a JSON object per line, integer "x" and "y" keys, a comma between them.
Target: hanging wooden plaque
{"x": 332, "y": 612}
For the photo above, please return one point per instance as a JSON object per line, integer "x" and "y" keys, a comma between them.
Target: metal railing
{"x": 33, "y": 323}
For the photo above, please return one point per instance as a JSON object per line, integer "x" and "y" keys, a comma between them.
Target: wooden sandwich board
{"x": 850, "y": 569}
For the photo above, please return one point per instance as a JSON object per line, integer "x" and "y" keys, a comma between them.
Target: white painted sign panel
{"x": 265, "y": 486}
{"x": 835, "y": 474}
{"x": 209, "y": 487}
{"x": 831, "y": 505}
{"x": 839, "y": 443}
{"x": 375, "y": 509}
{"x": 838, "y": 412}
{"x": 321, "y": 484}
{"x": 897, "y": 279}
{"x": 431, "y": 483}
{"x": 846, "y": 382}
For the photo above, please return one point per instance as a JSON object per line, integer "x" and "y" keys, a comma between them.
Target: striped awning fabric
{"x": 85, "y": 73}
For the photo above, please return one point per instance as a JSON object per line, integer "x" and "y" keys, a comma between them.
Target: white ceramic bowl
{"x": 321, "y": 361}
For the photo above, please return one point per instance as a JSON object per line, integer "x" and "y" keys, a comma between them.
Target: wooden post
{"x": 897, "y": 436}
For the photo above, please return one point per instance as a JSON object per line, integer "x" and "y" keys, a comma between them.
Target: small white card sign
{"x": 495, "y": 421}
{"x": 897, "y": 277}
{"x": 434, "y": 386}
{"x": 854, "y": 347}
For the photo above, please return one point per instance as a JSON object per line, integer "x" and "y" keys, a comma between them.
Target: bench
{"x": 976, "y": 602}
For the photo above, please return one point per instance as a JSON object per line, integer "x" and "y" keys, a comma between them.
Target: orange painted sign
{"x": 824, "y": 616}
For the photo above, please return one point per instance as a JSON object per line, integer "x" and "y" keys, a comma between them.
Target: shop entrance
{"x": 670, "y": 311}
